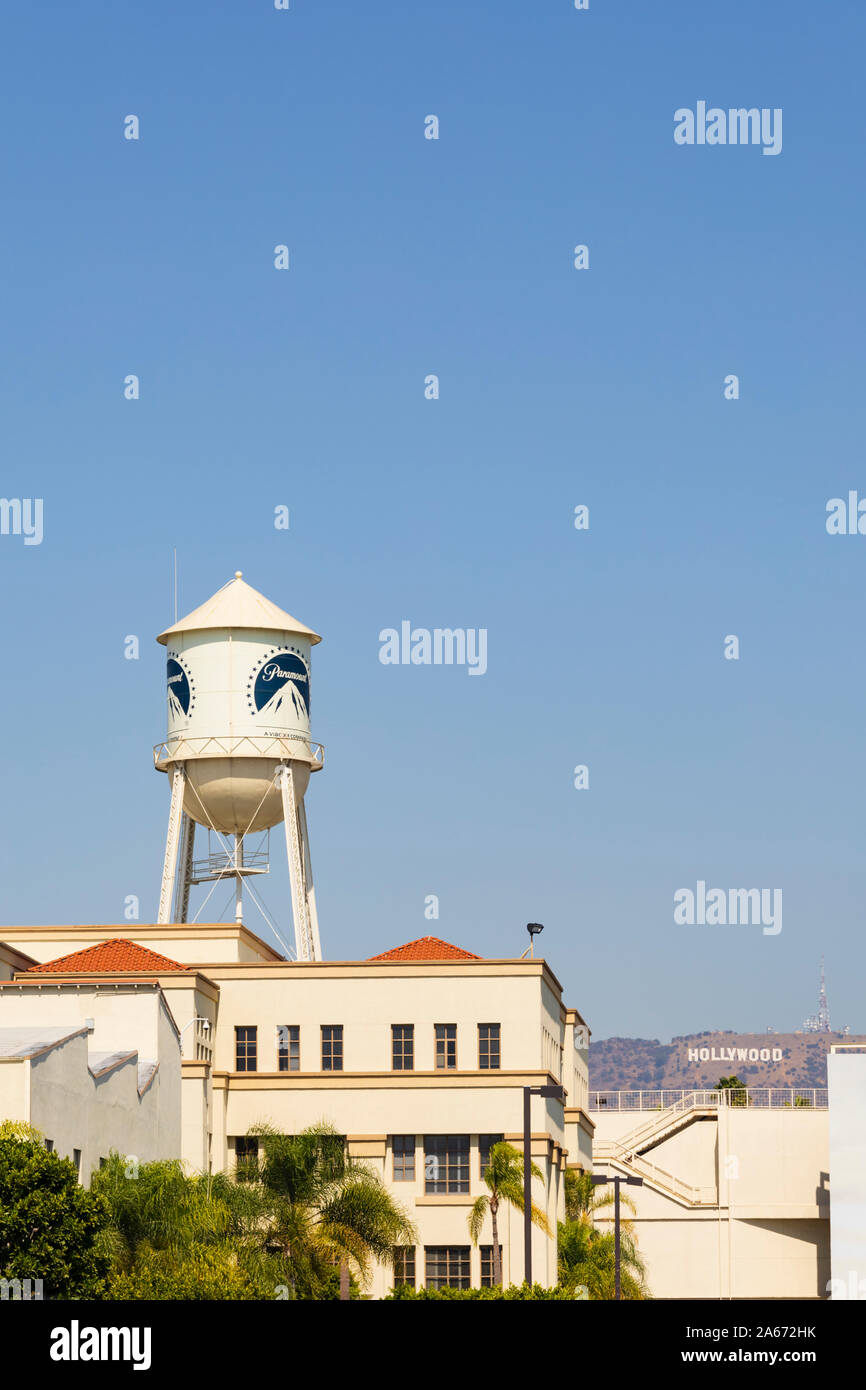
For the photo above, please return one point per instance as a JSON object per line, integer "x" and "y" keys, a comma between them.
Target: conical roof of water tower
{"x": 236, "y": 605}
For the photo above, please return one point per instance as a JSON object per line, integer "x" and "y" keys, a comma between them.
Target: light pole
{"x": 205, "y": 1022}
{"x": 616, "y": 1180}
{"x": 551, "y": 1093}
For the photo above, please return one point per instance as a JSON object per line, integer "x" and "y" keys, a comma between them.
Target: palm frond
{"x": 480, "y": 1208}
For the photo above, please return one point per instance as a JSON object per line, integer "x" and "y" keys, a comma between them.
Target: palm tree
{"x": 587, "y": 1256}
{"x": 733, "y": 1083}
{"x": 325, "y": 1209}
{"x": 583, "y": 1198}
{"x": 504, "y": 1177}
{"x": 587, "y": 1259}
{"x": 157, "y": 1208}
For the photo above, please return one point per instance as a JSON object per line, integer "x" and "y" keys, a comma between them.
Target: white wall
{"x": 766, "y": 1233}
{"x": 96, "y": 1114}
{"x": 846, "y": 1080}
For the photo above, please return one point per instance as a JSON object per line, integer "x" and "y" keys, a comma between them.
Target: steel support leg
{"x": 312, "y": 914}
{"x": 239, "y": 879}
{"x": 172, "y": 843}
{"x": 181, "y": 893}
{"x": 303, "y": 935}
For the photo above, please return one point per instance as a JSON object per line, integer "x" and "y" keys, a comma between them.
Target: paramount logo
{"x": 737, "y": 126}
{"x": 274, "y": 672}
{"x": 736, "y": 1054}
{"x": 736, "y": 907}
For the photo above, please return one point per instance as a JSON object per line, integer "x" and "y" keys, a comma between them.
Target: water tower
{"x": 238, "y": 750}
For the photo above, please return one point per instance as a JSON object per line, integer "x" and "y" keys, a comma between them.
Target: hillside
{"x": 633, "y": 1064}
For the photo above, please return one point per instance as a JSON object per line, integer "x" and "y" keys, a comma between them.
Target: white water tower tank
{"x": 238, "y": 692}
{"x": 238, "y": 749}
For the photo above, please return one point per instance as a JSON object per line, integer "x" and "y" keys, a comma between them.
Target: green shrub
{"x": 201, "y": 1273}
{"x": 49, "y": 1226}
{"x": 405, "y": 1293}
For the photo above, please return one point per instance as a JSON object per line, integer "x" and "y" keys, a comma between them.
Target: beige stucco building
{"x": 419, "y": 1056}
{"x": 735, "y": 1195}
{"x": 93, "y": 1065}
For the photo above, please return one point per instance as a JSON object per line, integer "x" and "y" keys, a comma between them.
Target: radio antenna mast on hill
{"x": 820, "y": 1022}
{"x": 823, "y": 1010}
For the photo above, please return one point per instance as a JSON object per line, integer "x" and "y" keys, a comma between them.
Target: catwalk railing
{"x": 615, "y": 1153}
{"x": 755, "y": 1097}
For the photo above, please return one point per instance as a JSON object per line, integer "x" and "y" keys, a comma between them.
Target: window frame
{"x": 406, "y": 1046}
{"x": 249, "y": 1149}
{"x": 292, "y": 1050}
{"x": 457, "y": 1162}
{"x": 335, "y": 1044}
{"x": 403, "y": 1155}
{"x": 404, "y": 1255}
{"x": 247, "y": 1044}
{"x": 491, "y": 1140}
{"x": 491, "y": 1045}
{"x": 459, "y": 1255}
{"x": 486, "y": 1252}
{"x": 444, "y": 1047}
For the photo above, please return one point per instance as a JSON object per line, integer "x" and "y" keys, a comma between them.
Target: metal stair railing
{"x": 665, "y": 1120}
{"x": 612, "y": 1152}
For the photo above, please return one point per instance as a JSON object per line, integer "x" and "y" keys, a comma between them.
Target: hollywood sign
{"x": 736, "y": 1054}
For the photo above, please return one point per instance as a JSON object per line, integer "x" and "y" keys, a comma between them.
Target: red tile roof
{"x": 108, "y": 957}
{"x": 427, "y": 948}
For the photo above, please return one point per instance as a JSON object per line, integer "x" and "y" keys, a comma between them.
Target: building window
{"x": 446, "y": 1046}
{"x": 103, "y": 1162}
{"x": 246, "y": 1154}
{"x": 403, "y": 1149}
{"x": 404, "y": 1265}
{"x": 446, "y": 1163}
{"x": 49, "y": 1144}
{"x": 245, "y": 1049}
{"x": 76, "y": 1159}
{"x": 332, "y": 1047}
{"x": 485, "y": 1144}
{"x": 447, "y": 1266}
{"x": 402, "y": 1046}
{"x": 487, "y": 1265}
{"x": 289, "y": 1047}
{"x": 488, "y": 1046}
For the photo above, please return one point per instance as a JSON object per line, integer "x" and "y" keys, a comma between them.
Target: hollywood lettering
{"x": 736, "y": 1054}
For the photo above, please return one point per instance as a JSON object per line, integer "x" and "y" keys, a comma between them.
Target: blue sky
{"x": 557, "y": 387}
